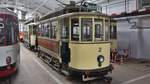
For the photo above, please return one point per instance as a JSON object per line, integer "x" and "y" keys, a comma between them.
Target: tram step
{"x": 65, "y": 72}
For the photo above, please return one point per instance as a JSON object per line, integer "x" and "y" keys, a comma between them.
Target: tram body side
{"x": 9, "y": 44}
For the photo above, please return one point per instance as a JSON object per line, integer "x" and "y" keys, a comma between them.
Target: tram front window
{"x": 86, "y": 29}
{"x": 75, "y": 29}
{"x": 8, "y": 32}
{"x": 99, "y": 32}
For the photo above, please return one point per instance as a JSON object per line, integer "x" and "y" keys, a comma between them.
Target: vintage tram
{"x": 30, "y": 35}
{"x": 9, "y": 44}
{"x": 76, "y": 42}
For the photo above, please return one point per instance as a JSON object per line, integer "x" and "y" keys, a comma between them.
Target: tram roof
{"x": 73, "y": 14}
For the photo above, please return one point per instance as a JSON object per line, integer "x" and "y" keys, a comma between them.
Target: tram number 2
{"x": 99, "y": 49}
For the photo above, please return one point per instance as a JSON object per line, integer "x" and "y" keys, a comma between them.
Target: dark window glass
{"x": 99, "y": 30}
{"x": 43, "y": 30}
{"x": 86, "y": 29}
{"x": 64, "y": 28}
{"x": 107, "y": 25}
{"x": 9, "y": 31}
{"x": 53, "y": 30}
{"x": 113, "y": 32}
{"x": 75, "y": 29}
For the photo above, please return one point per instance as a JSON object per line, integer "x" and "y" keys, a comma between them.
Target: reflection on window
{"x": 113, "y": 32}
{"x": 9, "y": 31}
{"x": 64, "y": 32}
{"x": 53, "y": 30}
{"x": 107, "y": 30}
{"x": 75, "y": 29}
{"x": 16, "y": 26}
{"x": 43, "y": 30}
{"x": 86, "y": 29}
{"x": 64, "y": 28}
{"x": 9, "y": 28}
{"x": 39, "y": 30}
{"x": 99, "y": 30}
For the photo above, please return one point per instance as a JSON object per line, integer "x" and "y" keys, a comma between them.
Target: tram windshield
{"x": 90, "y": 29}
{"x": 99, "y": 30}
{"x": 86, "y": 29}
{"x": 8, "y": 31}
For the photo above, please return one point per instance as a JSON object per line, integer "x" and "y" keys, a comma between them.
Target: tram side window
{"x": 75, "y": 29}
{"x": 99, "y": 32}
{"x": 64, "y": 28}
{"x": 107, "y": 30}
{"x": 2, "y": 36}
{"x": 39, "y": 30}
{"x": 45, "y": 30}
{"x": 53, "y": 30}
{"x": 86, "y": 29}
{"x": 113, "y": 32}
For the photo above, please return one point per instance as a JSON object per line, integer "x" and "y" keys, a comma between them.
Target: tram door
{"x": 99, "y": 32}
{"x": 65, "y": 50}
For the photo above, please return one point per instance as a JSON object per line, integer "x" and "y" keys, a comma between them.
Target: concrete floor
{"x": 33, "y": 71}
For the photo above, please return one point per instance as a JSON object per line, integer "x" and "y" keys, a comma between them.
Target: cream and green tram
{"x": 77, "y": 43}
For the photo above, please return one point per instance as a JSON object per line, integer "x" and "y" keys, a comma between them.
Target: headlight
{"x": 100, "y": 59}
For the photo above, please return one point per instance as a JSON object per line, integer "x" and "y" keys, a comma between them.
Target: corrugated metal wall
{"x": 135, "y": 38}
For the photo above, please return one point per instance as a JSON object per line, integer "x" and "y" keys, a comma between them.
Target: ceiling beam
{"x": 43, "y": 6}
{"x": 43, "y": 3}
